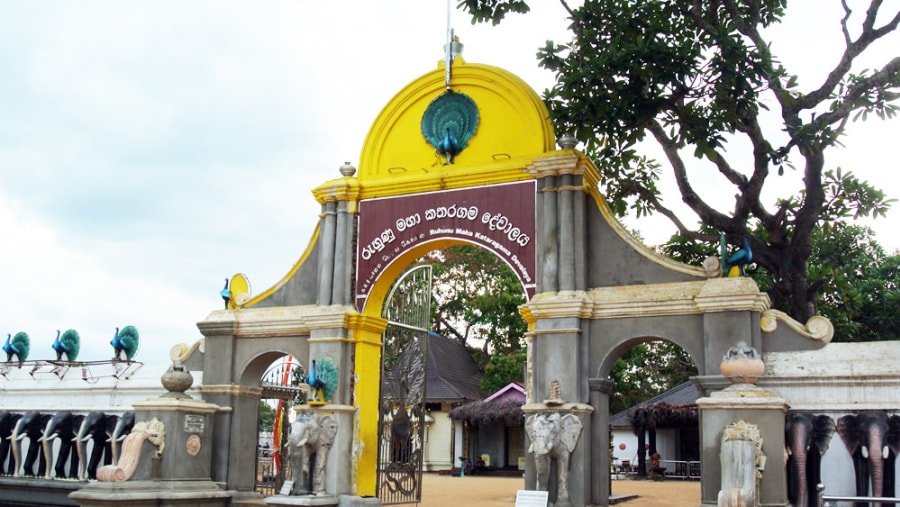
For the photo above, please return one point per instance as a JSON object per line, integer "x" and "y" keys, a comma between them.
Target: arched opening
{"x": 654, "y": 420}
{"x": 472, "y": 288}
{"x": 282, "y": 388}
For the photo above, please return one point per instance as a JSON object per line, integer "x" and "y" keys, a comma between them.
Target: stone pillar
{"x": 746, "y": 403}
{"x": 343, "y": 256}
{"x": 173, "y": 466}
{"x": 600, "y": 465}
{"x": 326, "y": 254}
{"x": 569, "y": 417}
{"x": 549, "y": 254}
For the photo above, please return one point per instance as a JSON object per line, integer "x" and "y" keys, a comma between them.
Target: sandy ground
{"x": 447, "y": 491}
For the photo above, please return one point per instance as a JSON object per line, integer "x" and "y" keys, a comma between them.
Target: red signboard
{"x": 497, "y": 217}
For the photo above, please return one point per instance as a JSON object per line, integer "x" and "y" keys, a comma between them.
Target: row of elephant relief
{"x": 40, "y": 430}
{"x": 872, "y": 442}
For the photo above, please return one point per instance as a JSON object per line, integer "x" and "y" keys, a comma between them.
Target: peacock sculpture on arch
{"x": 449, "y": 123}
{"x": 125, "y": 343}
{"x": 17, "y": 346}
{"x": 68, "y": 344}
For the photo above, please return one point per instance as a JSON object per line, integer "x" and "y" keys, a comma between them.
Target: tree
{"x": 476, "y": 300}
{"x": 697, "y": 77}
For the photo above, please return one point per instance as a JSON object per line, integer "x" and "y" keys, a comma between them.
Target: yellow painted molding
{"x": 552, "y": 305}
{"x": 177, "y": 405}
{"x": 233, "y": 390}
{"x": 679, "y": 298}
{"x": 341, "y": 189}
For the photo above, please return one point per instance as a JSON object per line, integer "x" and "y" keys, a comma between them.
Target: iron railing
{"x": 824, "y": 500}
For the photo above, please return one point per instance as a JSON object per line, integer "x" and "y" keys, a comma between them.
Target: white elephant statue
{"x": 310, "y": 440}
{"x": 553, "y": 436}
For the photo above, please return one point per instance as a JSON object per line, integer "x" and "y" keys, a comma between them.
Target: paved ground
{"x": 447, "y": 491}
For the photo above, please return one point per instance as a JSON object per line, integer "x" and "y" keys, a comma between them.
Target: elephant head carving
{"x": 806, "y": 438}
{"x": 553, "y": 436}
{"x": 873, "y": 441}
{"x": 312, "y": 436}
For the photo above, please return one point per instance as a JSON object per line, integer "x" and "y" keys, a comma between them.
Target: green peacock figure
{"x": 449, "y": 123}
{"x": 68, "y": 344}
{"x": 17, "y": 346}
{"x": 125, "y": 342}
{"x": 322, "y": 380}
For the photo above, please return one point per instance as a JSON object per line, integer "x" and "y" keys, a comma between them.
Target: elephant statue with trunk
{"x": 97, "y": 427}
{"x": 873, "y": 441}
{"x": 63, "y": 426}
{"x": 806, "y": 438}
{"x": 553, "y": 437}
{"x": 310, "y": 440}
{"x": 7, "y": 424}
{"x": 30, "y": 426}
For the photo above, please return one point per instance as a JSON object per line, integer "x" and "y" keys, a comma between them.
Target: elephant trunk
{"x": 17, "y": 435}
{"x": 47, "y": 445}
{"x": 79, "y": 449}
{"x": 16, "y": 458}
{"x": 876, "y": 456}
{"x": 799, "y": 453}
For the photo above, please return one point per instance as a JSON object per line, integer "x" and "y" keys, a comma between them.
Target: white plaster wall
{"x": 22, "y": 390}
{"x": 438, "y": 441}
{"x": 839, "y": 377}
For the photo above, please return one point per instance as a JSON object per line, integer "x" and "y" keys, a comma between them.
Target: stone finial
{"x": 347, "y": 170}
{"x": 567, "y": 142}
{"x": 555, "y": 394}
{"x": 177, "y": 380}
{"x": 742, "y": 364}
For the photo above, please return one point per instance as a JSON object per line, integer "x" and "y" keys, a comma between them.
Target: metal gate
{"x": 401, "y": 428}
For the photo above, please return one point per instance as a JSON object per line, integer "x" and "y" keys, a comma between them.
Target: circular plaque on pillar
{"x": 193, "y": 445}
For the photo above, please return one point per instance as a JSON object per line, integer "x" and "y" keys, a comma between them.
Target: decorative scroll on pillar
{"x": 153, "y": 431}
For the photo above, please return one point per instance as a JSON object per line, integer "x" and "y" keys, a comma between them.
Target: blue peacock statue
{"x": 125, "y": 342}
{"x": 449, "y": 123}
{"x": 226, "y": 294}
{"x": 322, "y": 380}
{"x": 734, "y": 264}
{"x": 69, "y": 344}
{"x": 17, "y": 346}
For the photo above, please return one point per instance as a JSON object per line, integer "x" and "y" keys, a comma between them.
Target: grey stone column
{"x": 549, "y": 238}
{"x": 579, "y": 225}
{"x": 566, "y": 226}
{"x": 326, "y": 254}
{"x": 343, "y": 252}
{"x": 600, "y": 466}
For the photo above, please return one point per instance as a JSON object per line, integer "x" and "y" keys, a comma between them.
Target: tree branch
{"x": 852, "y": 50}
{"x": 708, "y": 214}
{"x": 848, "y": 101}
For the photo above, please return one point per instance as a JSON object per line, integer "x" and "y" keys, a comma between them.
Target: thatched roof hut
{"x": 478, "y": 413}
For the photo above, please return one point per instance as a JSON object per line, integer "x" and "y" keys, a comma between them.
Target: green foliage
{"x": 860, "y": 292}
{"x": 266, "y": 416}
{"x": 476, "y": 300}
{"x": 693, "y": 78}
{"x": 501, "y": 369}
{"x": 646, "y": 370}
{"x": 493, "y": 10}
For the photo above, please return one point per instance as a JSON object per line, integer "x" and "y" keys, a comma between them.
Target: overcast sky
{"x": 149, "y": 150}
